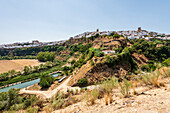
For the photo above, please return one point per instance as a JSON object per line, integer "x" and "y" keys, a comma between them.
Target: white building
{"x": 109, "y": 51}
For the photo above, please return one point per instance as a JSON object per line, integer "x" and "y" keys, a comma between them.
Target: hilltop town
{"x": 130, "y": 34}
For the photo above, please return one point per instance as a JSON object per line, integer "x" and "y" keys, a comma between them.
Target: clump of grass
{"x": 57, "y": 104}
{"x": 70, "y": 101}
{"x": 146, "y": 79}
{"x": 125, "y": 88}
{"x": 48, "y": 109}
{"x": 108, "y": 86}
{"x": 91, "y": 96}
{"x": 76, "y": 91}
{"x": 158, "y": 65}
{"x": 82, "y": 90}
{"x": 134, "y": 85}
{"x": 152, "y": 78}
{"x": 32, "y": 109}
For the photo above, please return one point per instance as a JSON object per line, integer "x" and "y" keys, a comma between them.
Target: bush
{"x": 45, "y": 56}
{"x": 145, "y": 68}
{"x": 32, "y": 110}
{"x": 82, "y": 82}
{"x": 91, "y": 62}
{"x": 73, "y": 61}
{"x": 166, "y": 62}
{"x": 46, "y": 80}
{"x": 116, "y": 36}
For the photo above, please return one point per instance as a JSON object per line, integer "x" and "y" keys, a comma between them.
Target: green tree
{"x": 26, "y": 70}
{"x": 46, "y": 56}
{"x": 82, "y": 82}
{"x": 36, "y": 68}
{"x": 73, "y": 61}
{"x": 12, "y": 97}
{"x": 46, "y": 80}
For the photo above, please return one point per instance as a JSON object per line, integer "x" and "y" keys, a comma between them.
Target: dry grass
{"x": 106, "y": 99}
{"x": 125, "y": 88}
{"x": 152, "y": 78}
{"x": 48, "y": 109}
{"x": 108, "y": 85}
{"x": 134, "y": 85}
{"x": 91, "y": 96}
{"x": 110, "y": 98}
{"x": 18, "y": 65}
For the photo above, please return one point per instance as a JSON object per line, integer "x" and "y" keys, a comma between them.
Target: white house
{"x": 108, "y": 51}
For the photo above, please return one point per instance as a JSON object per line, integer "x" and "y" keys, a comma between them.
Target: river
{"x": 23, "y": 85}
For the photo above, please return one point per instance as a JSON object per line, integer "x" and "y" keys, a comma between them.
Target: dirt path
{"x": 48, "y": 94}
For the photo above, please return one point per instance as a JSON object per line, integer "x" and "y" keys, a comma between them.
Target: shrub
{"x": 82, "y": 82}
{"x": 45, "y": 56}
{"x": 73, "y": 61}
{"x": 145, "y": 68}
{"x": 32, "y": 110}
{"x": 57, "y": 104}
{"x": 166, "y": 62}
{"x": 71, "y": 53}
{"x": 91, "y": 62}
{"x": 46, "y": 80}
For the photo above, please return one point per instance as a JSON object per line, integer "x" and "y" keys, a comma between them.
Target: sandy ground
{"x": 156, "y": 100}
{"x": 18, "y": 65}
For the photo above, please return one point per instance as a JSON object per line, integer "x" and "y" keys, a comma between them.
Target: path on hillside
{"x": 48, "y": 94}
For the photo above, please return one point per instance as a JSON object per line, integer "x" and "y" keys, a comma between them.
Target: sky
{"x": 54, "y": 20}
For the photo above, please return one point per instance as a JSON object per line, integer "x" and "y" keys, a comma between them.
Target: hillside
{"x": 125, "y": 61}
{"x": 101, "y": 71}
{"x": 96, "y": 69}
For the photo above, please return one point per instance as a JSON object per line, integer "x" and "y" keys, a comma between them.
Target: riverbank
{"x": 27, "y": 80}
{"x": 48, "y": 94}
{"x": 24, "y": 84}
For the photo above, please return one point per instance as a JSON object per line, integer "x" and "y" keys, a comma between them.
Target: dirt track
{"x": 48, "y": 94}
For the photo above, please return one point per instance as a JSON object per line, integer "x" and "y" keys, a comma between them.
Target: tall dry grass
{"x": 108, "y": 87}
{"x": 91, "y": 96}
{"x": 125, "y": 88}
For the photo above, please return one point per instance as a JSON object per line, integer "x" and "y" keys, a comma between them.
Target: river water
{"x": 23, "y": 85}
